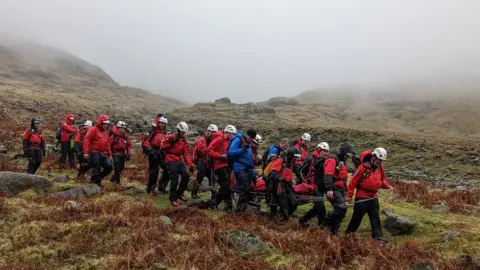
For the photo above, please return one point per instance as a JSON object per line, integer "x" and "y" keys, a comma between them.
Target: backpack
{"x": 267, "y": 169}
{"x": 58, "y": 135}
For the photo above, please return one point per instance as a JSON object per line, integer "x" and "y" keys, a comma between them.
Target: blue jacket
{"x": 271, "y": 150}
{"x": 242, "y": 158}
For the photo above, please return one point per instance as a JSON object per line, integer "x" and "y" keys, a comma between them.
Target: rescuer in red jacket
{"x": 201, "y": 159}
{"x": 367, "y": 180}
{"x": 78, "y": 148}
{"x": 121, "y": 149}
{"x": 156, "y": 157}
{"x": 217, "y": 150}
{"x": 67, "y": 130}
{"x": 34, "y": 146}
{"x": 97, "y": 150}
{"x": 176, "y": 156}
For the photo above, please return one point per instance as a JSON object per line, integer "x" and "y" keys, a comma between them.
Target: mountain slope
{"x": 37, "y": 80}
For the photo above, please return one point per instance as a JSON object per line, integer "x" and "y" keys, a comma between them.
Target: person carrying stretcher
{"x": 280, "y": 191}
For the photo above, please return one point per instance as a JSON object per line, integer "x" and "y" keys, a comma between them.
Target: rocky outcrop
{"x": 398, "y": 225}
{"x": 13, "y": 183}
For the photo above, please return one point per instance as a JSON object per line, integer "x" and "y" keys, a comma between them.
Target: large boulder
{"x": 83, "y": 191}
{"x": 202, "y": 188}
{"x": 13, "y": 183}
{"x": 398, "y": 225}
{"x": 224, "y": 100}
{"x": 243, "y": 241}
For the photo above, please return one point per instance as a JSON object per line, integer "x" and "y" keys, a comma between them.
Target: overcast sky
{"x": 252, "y": 50}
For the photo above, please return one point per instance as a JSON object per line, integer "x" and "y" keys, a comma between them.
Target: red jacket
{"x": 304, "y": 151}
{"x": 120, "y": 142}
{"x": 200, "y": 150}
{"x": 34, "y": 139}
{"x": 286, "y": 173}
{"x": 175, "y": 149}
{"x": 155, "y": 139}
{"x": 67, "y": 128}
{"x": 367, "y": 182}
{"x": 217, "y": 148}
{"x": 338, "y": 172}
{"x": 96, "y": 140}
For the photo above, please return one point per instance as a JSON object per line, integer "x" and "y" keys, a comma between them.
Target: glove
{"x": 26, "y": 153}
{"x": 44, "y": 154}
{"x": 151, "y": 151}
{"x": 128, "y": 157}
{"x": 224, "y": 156}
{"x": 191, "y": 169}
{"x": 330, "y": 194}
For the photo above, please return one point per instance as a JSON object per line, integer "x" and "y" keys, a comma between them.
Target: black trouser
{"x": 66, "y": 150}
{"x": 204, "y": 171}
{"x": 34, "y": 160}
{"x": 244, "y": 178}
{"x": 335, "y": 217}
{"x": 155, "y": 162}
{"x": 317, "y": 210}
{"x": 84, "y": 166}
{"x": 101, "y": 167}
{"x": 296, "y": 171}
{"x": 118, "y": 166}
{"x": 176, "y": 169}
{"x": 224, "y": 193}
{"x": 282, "y": 196}
{"x": 372, "y": 208}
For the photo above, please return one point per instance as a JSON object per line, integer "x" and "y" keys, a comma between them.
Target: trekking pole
{"x": 364, "y": 200}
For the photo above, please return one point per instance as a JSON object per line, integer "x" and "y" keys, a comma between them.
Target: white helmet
{"x": 212, "y": 128}
{"x": 306, "y": 137}
{"x": 182, "y": 126}
{"x": 230, "y": 129}
{"x": 258, "y": 139}
{"x": 163, "y": 120}
{"x": 380, "y": 153}
{"x": 323, "y": 146}
{"x": 88, "y": 123}
{"x": 121, "y": 124}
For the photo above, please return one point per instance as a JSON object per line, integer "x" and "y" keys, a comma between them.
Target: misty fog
{"x": 253, "y": 50}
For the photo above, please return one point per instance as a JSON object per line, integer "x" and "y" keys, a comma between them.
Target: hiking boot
{"x": 228, "y": 209}
{"x": 152, "y": 193}
{"x": 175, "y": 203}
{"x": 183, "y": 198}
{"x": 195, "y": 195}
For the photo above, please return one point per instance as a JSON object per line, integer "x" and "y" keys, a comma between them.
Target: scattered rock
{"x": 278, "y": 101}
{"x": 398, "y": 225}
{"x": 61, "y": 179}
{"x": 449, "y": 236}
{"x": 468, "y": 262}
{"x": 451, "y": 153}
{"x": 260, "y": 110}
{"x": 83, "y": 191}
{"x": 461, "y": 188}
{"x": 73, "y": 204}
{"x": 225, "y": 100}
{"x": 134, "y": 189}
{"x": 422, "y": 266}
{"x": 441, "y": 207}
{"x": 158, "y": 266}
{"x": 243, "y": 241}
{"x": 129, "y": 130}
{"x": 13, "y": 183}
{"x": 3, "y": 149}
{"x": 165, "y": 220}
{"x": 202, "y": 188}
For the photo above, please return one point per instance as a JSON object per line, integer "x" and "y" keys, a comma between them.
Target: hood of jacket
{"x": 100, "y": 119}
{"x": 67, "y": 118}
